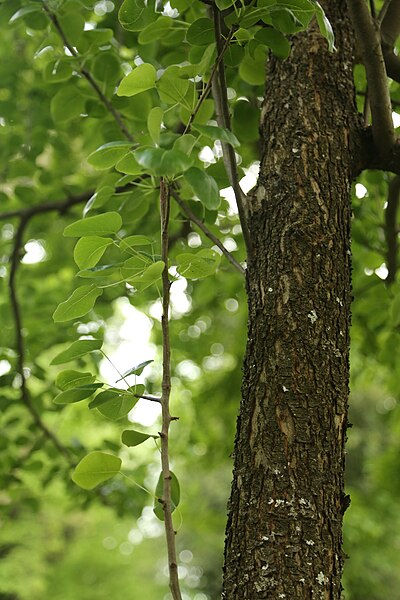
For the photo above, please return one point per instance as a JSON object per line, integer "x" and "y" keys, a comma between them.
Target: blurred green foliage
{"x": 57, "y": 541}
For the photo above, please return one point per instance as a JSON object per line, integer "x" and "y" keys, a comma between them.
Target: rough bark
{"x": 284, "y": 531}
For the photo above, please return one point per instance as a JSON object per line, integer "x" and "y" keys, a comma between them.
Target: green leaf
{"x": 99, "y": 198}
{"x": 89, "y": 250}
{"x": 132, "y": 438}
{"x": 149, "y": 158}
{"x": 204, "y": 186}
{"x": 171, "y": 88}
{"x": 76, "y": 394}
{"x": 245, "y": 121}
{"x": 143, "y": 278}
{"x": 135, "y": 15}
{"x": 252, "y": 70}
{"x": 162, "y": 162}
{"x": 72, "y": 24}
{"x": 118, "y": 407}
{"x": 71, "y": 379}
{"x": 129, "y": 165}
{"x": 67, "y": 104}
{"x": 108, "y": 154}
{"x": 155, "y": 30}
{"x": 106, "y": 67}
{"x": 136, "y": 370}
{"x": 218, "y": 133}
{"x": 96, "y": 468}
{"x": 175, "y": 495}
{"x": 139, "y": 80}
{"x": 275, "y": 40}
{"x": 286, "y": 21}
{"x": 135, "y": 240}
{"x": 154, "y": 121}
{"x": 78, "y": 304}
{"x": 135, "y": 266}
{"x": 185, "y": 143}
{"x": 113, "y": 394}
{"x": 58, "y": 70}
{"x": 201, "y": 32}
{"x": 26, "y": 10}
{"x": 199, "y": 265}
{"x": 325, "y": 27}
{"x": 174, "y": 162}
{"x": 104, "y": 224}
{"x": 76, "y": 350}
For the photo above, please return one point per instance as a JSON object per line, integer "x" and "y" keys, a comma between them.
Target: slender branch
{"x": 219, "y": 91}
{"x": 391, "y": 228}
{"x": 15, "y": 307}
{"x": 166, "y": 391}
{"x": 369, "y": 156}
{"x": 87, "y": 75}
{"x": 207, "y": 89}
{"x": 148, "y": 397}
{"x": 383, "y": 11}
{"x": 192, "y": 217}
{"x": 389, "y": 21}
{"x": 369, "y": 41}
{"x": 60, "y": 206}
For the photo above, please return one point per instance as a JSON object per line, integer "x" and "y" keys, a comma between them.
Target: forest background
{"x": 56, "y": 540}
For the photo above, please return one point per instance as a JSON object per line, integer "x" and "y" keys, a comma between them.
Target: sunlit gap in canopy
{"x": 127, "y": 343}
{"x": 246, "y": 183}
{"x": 34, "y": 252}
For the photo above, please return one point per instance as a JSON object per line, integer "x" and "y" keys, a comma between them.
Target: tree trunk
{"x": 284, "y": 531}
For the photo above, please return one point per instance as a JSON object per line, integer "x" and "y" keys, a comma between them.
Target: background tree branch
{"x": 368, "y": 39}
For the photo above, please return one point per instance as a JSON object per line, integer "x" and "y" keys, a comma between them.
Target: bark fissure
{"x": 286, "y": 507}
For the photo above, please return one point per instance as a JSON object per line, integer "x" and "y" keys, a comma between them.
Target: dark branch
{"x": 370, "y": 157}
{"x": 391, "y": 228}
{"x": 85, "y": 73}
{"x": 369, "y": 42}
{"x": 207, "y": 88}
{"x": 192, "y": 217}
{"x": 60, "y": 206}
{"x": 219, "y": 91}
{"x": 389, "y": 19}
{"x": 19, "y": 341}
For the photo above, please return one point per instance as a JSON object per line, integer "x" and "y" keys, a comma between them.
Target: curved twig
{"x": 15, "y": 307}
{"x": 87, "y": 75}
{"x": 192, "y": 217}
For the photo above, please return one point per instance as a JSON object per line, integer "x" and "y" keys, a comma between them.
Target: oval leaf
{"x": 132, "y": 438}
{"x": 104, "y": 224}
{"x": 139, "y": 80}
{"x": 76, "y": 394}
{"x": 136, "y": 370}
{"x": 71, "y": 379}
{"x": 154, "y": 121}
{"x": 118, "y": 407}
{"x": 204, "y": 186}
{"x": 135, "y": 240}
{"x": 107, "y": 155}
{"x": 197, "y": 266}
{"x": 95, "y": 468}
{"x": 77, "y": 349}
{"x": 89, "y": 250}
{"x": 78, "y": 304}
{"x": 218, "y": 133}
